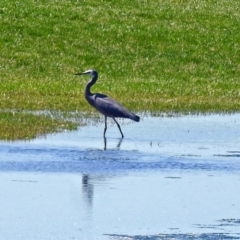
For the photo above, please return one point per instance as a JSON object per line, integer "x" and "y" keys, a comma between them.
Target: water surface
{"x": 169, "y": 178}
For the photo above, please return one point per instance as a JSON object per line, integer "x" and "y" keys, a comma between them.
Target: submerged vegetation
{"x": 159, "y": 55}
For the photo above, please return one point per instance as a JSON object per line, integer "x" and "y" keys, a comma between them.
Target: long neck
{"x": 89, "y": 85}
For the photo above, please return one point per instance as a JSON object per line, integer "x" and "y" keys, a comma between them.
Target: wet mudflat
{"x": 169, "y": 178}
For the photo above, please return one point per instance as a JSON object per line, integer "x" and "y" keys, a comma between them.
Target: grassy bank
{"x": 160, "y": 55}
{"x": 26, "y": 126}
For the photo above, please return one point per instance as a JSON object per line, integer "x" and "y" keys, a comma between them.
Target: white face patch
{"x": 90, "y": 72}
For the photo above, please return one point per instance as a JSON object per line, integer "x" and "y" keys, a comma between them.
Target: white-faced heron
{"x": 104, "y": 104}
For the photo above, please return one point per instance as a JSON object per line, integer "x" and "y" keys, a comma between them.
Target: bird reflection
{"x": 118, "y": 145}
{"x": 87, "y": 186}
{"x": 87, "y": 189}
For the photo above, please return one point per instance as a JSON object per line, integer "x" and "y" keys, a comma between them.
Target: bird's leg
{"x": 119, "y": 144}
{"x": 118, "y": 127}
{"x": 105, "y": 143}
{"x": 105, "y": 129}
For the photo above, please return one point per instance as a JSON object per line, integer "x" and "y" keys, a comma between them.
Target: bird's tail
{"x": 134, "y": 117}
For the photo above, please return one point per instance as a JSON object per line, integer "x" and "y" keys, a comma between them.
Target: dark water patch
{"x": 204, "y": 226}
{"x": 202, "y": 236}
{"x": 227, "y": 155}
{"x": 24, "y": 181}
{"x": 73, "y": 159}
{"x": 103, "y": 167}
{"x": 230, "y": 222}
{"x": 174, "y": 177}
{"x": 190, "y": 155}
{"x": 103, "y": 164}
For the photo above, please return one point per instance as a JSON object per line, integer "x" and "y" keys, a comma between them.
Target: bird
{"x": 104, "y": 104}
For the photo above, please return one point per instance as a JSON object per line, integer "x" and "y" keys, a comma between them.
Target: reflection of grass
{"x": 170, "y": 55}
{"x": 15, "y": 126}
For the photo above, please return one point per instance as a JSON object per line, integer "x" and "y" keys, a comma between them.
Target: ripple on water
{"x": 61, "y": 159}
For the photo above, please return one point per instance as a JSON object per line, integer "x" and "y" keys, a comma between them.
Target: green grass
{"x": 158, "y": 55}
{"x": 27, "y": 126}
{"x": 151, "y": 55}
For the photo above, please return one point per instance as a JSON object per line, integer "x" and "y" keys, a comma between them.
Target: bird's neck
{"x": 89, "y": 85}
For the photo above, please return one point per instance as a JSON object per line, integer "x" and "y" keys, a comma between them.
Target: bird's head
{"x": 90, "y": 72}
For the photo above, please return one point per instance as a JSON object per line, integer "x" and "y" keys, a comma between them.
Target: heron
{"x": 104, "y": 104}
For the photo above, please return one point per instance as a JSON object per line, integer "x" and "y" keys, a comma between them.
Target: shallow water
{"x": 169, "y": 178}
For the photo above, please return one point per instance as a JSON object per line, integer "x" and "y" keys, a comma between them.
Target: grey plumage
{"x": 104, "y": 104}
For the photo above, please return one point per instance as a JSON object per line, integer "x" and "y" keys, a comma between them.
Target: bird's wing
{"x": 110, "y": 107}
